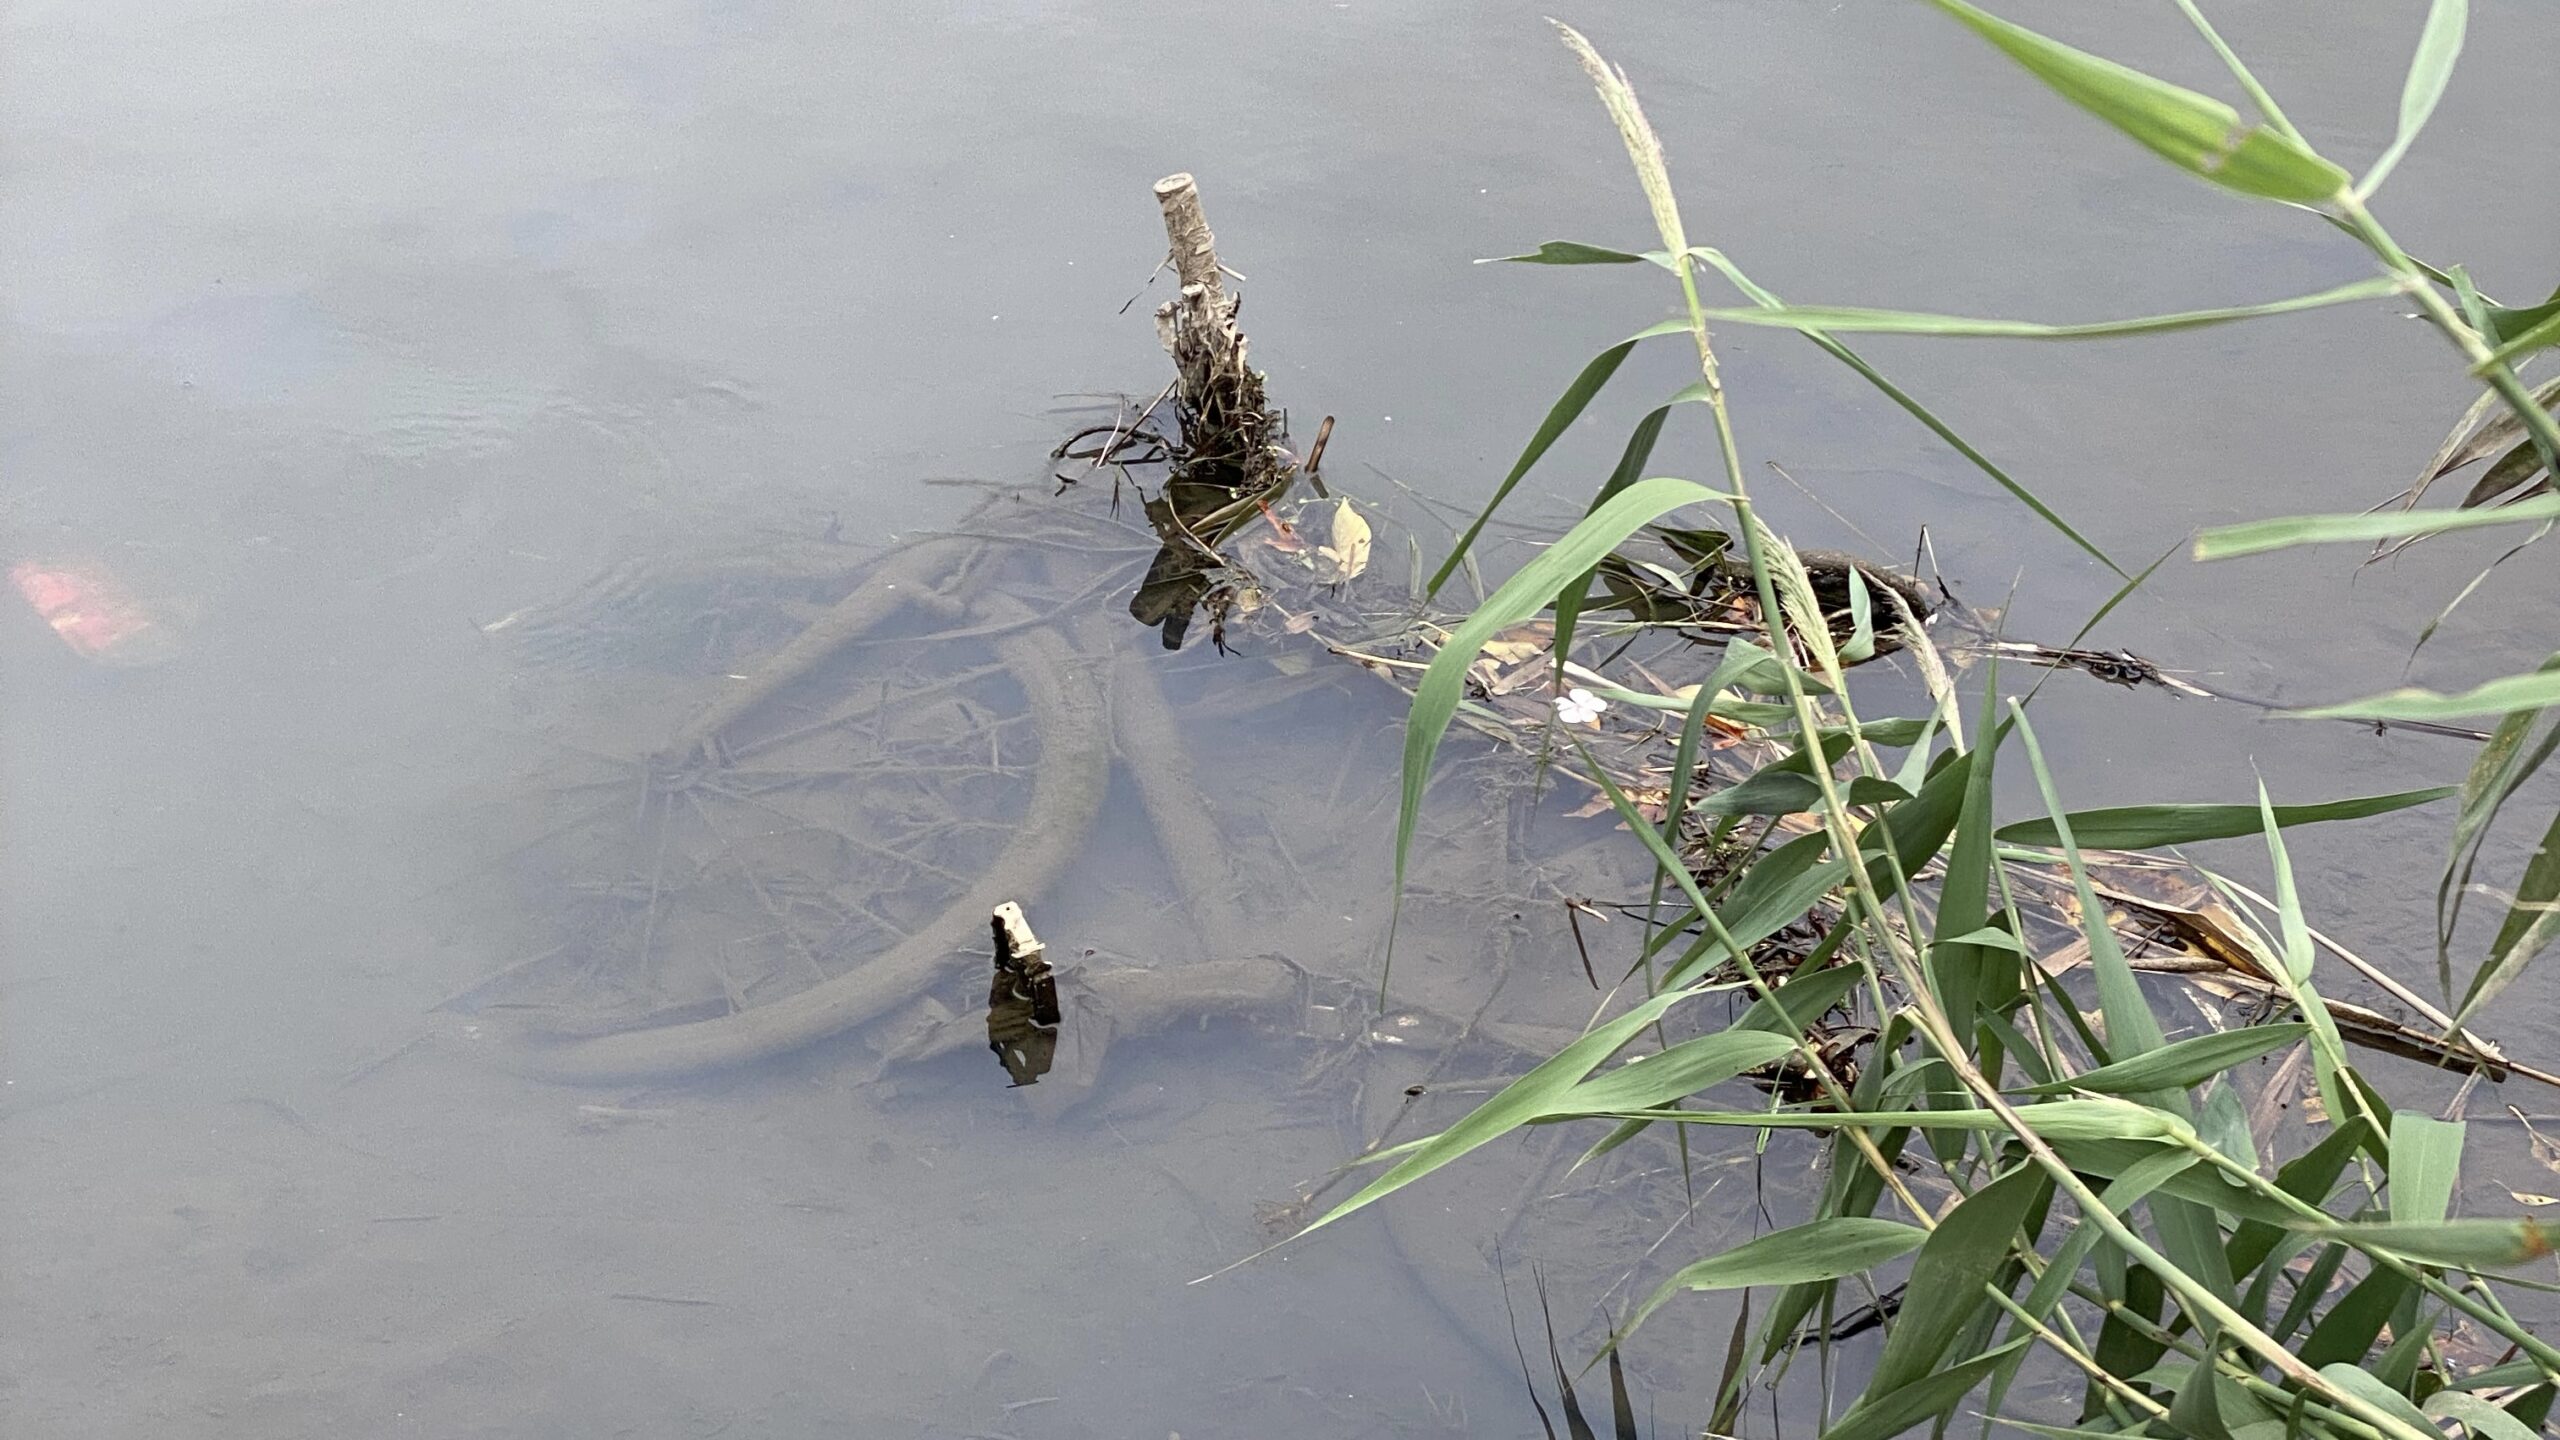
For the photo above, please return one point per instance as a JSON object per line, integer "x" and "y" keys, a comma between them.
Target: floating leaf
{"x": 1565, "y": 252}
{"x": 1348, "y": 553}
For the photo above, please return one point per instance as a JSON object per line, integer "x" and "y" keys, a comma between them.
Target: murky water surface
{"x": 342, "y": 331}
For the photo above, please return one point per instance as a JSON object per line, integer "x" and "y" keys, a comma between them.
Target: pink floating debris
{"x": 93, "y": 613}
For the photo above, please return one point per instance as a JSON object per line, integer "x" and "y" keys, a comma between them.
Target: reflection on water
{"x": 361, "y": 330}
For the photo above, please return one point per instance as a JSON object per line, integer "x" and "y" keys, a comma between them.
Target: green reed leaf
{"x": 2426, "y": 1157}
{"x": 2197, "y": 133}
{"x": 1630, "y": 468}
{"x": 2541, "y": 335}
{"x": 2251, "y": 537}
{"x": 1945, "y": 1290}
{"x": 1802, "y": 999}
{"x": 1920, "y": 1400}
{"x": 2531, "y": 923}
{"x": 1443, "y": 685}
{"x": 2533, "y": 691}
{"x": 1857, "y": 320}
{"x": 2291, "y": 926}
{"x": 1767, "y": 300}
{"x": 2502, "y": 766}
{"x": 1531, "y": 1098}
{"x": 2131, "y": 1027}
{"x": 2473, "y": 1244}
{"x": 2355, "y": 1381}
{"x": 2145, "y": 827}
{"x": 1568, "y": 408}
{"x": 2484, "y": 1420}
{"x": 2182, "y": 1063}
{"x": 1684, "y": 1069}
{"x": 1816, "y": 1250}
{"x": 2506, "y": 322}
{"x": 2429, "y": 70}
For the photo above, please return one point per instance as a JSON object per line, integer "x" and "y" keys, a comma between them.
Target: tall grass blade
{"x": 1684, "y": 766}
{"x": 1800, "y": 1000}
{"x": 2308, "y": 1177}
{"x": 1683, "y": 1070}
{"x": 2484, "y": 1420}
{"x": 2426, "y": 1156}
{"x": 2291, "y": 927}
{"x": 1945, "y": 1290}
{"x": 2508, "y": 322}
{"x": 1443, "y": 685}
{"x": 2131, "y": 1027}
{"x": 1917, "y": 411}
{"x": 1753, "y": 913}
{"x": 2197, "y": 133}
{"x": 2429, "y": 70}
{"x": 2355, "y": 1381}
{"x": 2502, "y": 765}
{"x": 2541, "y": 335}
{"x": 2528, "y": 929}
{"x": 1815, "y": 1250}
{"x": 2146, "y": 827}
{"x": 2100, "y": 1155}
{"x": 2291, "y": 970}
{"x": 2198, "y": 1407}
{"x": 1631, "y": 465}
{"x": 2532, "y": 691}
{"x": 2355, "y": 1323}
{"x": 1858, "y": 320}
{"x": 1966, "y": 973}
{"x": 2252, "y": 537}
{"x": 1568, "y": 408}
{"x": 2098, "y": 1118}
{"x": 2180, "y": 1064}
{"x": 1920, "y": 1400}
{"x": 1530, "y": 1098}
{"x": 2120, "y": 1195}
{"x": 2122, "y": 593}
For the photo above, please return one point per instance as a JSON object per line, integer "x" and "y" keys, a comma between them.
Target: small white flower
{"x": 1580, "y": 707}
